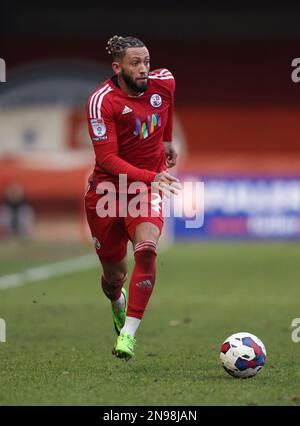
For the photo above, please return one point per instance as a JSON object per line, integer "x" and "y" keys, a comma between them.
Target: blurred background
{"x": 237, "y": 110}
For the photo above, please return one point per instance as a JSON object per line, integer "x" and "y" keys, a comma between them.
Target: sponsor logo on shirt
{"x": 156, "y": 100}
{"x": 98, "y": 126}
{"x": 144, "y": 129}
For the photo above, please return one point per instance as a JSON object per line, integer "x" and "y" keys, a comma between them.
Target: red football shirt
{"x": 128, "y": 131}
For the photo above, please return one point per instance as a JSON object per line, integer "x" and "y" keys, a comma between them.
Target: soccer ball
{"x": 243, "y": 355}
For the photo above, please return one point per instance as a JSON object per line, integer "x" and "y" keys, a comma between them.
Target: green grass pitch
{"x": 60, "y": 332}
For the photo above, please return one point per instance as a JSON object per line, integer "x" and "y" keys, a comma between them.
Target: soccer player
{"x": 130, "y": 119}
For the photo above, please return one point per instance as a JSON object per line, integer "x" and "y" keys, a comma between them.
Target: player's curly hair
{"x": 117, "y": 45}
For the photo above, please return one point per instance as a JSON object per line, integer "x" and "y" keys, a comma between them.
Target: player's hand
{"x": 167, "y": 183}
{"x": 171, "y": 154}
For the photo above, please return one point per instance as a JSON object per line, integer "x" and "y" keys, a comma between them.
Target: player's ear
{"x": 116, "y": 68}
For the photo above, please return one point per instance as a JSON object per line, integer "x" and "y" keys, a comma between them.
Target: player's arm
{"x": 170, "y": 152}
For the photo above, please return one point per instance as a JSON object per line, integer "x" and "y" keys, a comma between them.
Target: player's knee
{"x": 146, "y": 231}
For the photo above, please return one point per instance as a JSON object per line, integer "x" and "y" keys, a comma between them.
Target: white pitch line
{"x": 49, "y": 270}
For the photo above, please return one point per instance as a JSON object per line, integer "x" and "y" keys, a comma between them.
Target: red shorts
{"x": 111, "y": 233}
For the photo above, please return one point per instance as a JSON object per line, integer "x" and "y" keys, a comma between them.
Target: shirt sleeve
{"x": 168, "y": 132}
{"x": 103, "y": 133}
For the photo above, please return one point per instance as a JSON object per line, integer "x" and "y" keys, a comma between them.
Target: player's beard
{"x": 132, "y": 84}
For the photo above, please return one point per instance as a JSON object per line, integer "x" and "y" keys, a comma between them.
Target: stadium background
{"x": 237, "y": 129}
{"x": 236, "y": 105}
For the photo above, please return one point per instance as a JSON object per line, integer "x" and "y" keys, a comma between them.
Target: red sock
{"x": 112, "y": 290}
{"x": 142, "y": 279}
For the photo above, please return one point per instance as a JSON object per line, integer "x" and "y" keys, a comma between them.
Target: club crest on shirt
{"x": 156, "y": 100}
{"x": 98, "y": 126}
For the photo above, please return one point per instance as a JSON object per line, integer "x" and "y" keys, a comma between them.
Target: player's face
{"x": 134, "y": 68}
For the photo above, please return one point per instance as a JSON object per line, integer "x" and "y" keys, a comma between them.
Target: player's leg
{"x": 114, "y": 274}
{"x": 113, "y": 278}
{"x": 142, "y": 281}
{"x": 112, "y": 254}
{"x": 110, "y": 238}
{"x": 145, "y": 239}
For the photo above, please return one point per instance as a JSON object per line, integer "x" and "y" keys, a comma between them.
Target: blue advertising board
{"x": 255, "y": 207}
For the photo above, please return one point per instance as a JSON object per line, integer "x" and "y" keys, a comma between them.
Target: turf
{"x": 60, "y": 332}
